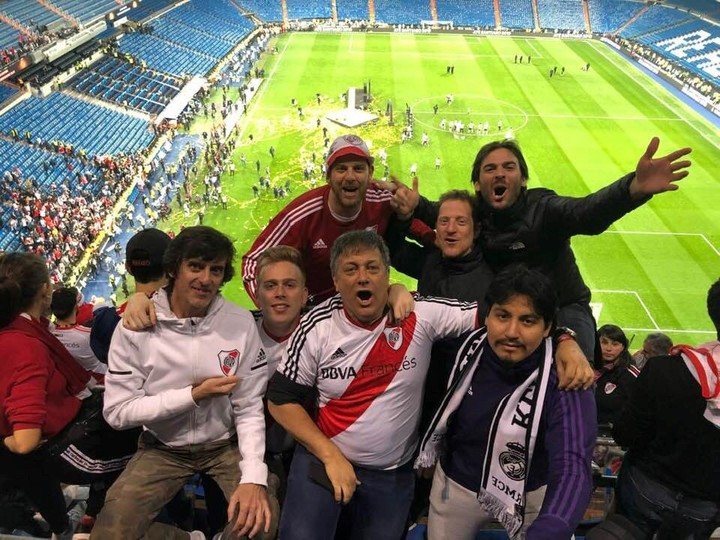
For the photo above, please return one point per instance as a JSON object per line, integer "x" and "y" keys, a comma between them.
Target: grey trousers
{"x": 455, "y": 513}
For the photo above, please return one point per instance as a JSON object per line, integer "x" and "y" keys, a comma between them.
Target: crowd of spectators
{"x": 59, "y": 223}
{"x": 30, "y": 41}
{"x": 673, "y": 69}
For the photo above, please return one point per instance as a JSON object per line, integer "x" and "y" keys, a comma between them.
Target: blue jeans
{"x": 377, "y": 511}
{"x": 660, "y": 510}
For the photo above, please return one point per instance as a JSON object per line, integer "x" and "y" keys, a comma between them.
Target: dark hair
{"x": 354, "y": 241}
{"x": 614, "y": 333}
{"x": 199, "y": 242}
{"x": 657, "y": 344}
{"x": 278, "y": 254}
{"x": 64, "y": 302}
{"x": 520, "y": 280}
{"x": 713, "y": 305}
{"x": 147, "y": 274}
{"x": 508, "y": 144}
{"x": 22, "y": 275}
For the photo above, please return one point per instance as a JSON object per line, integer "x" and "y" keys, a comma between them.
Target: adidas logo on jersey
{"x": 320, "y": 244}
{"x": 338, "y": 354}
{"x": 260, "y": 361}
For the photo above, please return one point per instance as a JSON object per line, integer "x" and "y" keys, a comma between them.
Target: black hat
{"x": 146, "y": 249}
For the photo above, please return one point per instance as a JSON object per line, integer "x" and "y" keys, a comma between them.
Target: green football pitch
{"x": 579, "y": 131}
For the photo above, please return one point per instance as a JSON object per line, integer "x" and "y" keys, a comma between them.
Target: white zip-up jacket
{"x": 151, "y": 375}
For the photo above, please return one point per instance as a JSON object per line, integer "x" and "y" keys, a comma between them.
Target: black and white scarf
{"x": 513, "y": 433}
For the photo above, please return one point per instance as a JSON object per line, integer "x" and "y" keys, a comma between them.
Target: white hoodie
{"x": 151, "y": 375}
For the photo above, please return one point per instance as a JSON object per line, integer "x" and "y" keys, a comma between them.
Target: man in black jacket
{"x": 669, "y": 483}
{"x": 534, "y": 226}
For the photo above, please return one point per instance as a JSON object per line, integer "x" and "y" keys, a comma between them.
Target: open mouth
{"x": 365, "y": 297}
{"x": 499, "y": 191}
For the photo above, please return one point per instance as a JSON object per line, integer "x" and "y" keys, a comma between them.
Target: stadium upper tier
{"x": 28, "y": 13}
{"x": 99, "y": 130}
{"x": 517, "y": 14}
{"x": 267, "y": 11}
{"x": 85, "y": 11}
{"x": 401, "y": 11}
{"x": 655, "y": 19}
{"x": 608, "y": 16}
{"x": 131, "y": 85}
{"x": 467, "y": 12}
{"x": 561, "y": 14}
{"x": 706, "y": 7}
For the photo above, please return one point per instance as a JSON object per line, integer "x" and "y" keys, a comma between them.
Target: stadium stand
{"x": 190, "y": 39}
{"x": 352, "y": 10}
{"x": 692, "y": 44}
{"x": 401, "y": 11}
{"x": 131, "y": 85}
{"x": 164, "y": 56}
{"x": 655, "y": 19}
{"x": 516, "y": 14}
{"x": 45, "y": 170}
{"x": 710, "y": 8}
{"x": 8, "y": 35}
{"x": 30, "y": 13}
{"x": 86, "y": 11}
{"x": 266, "y": 10}
{"x": 99, "y": 130}
{"x": 6, "y": 92}
{"x": 561, "y": 14}
{"x": 147, "y": 8}
{"x": 310, "y": 9}
{"x": 608, "y": 16}
{"x": 468, "y": 12}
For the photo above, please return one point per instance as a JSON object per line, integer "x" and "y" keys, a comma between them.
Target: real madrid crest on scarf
{"x": 512, "y": 461}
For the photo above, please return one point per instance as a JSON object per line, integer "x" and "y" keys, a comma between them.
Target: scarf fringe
{"x": 511, "y": 522}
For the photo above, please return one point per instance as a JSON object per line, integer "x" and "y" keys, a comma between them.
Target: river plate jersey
{"x": 370, "y": 379}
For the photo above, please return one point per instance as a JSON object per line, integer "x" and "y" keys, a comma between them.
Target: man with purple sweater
{"x": 505, "y": 429}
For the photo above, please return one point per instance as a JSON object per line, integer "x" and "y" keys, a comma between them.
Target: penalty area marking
{"x": 667, "y": 233}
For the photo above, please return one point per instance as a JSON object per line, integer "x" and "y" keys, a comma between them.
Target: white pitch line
{"x": 535, "y": 51}
{"x": 670, "y": 330}
{"x": 655, "y": 96}
{"x": 668, "y": 233}
{"x": 263, "y": 88}
{"x": 634, "y": 293}
{"x": 558, "y": 116}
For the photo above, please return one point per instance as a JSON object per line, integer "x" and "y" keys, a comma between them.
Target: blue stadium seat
{"x": 607, "y": 16}
{"x": 467, "y": 12}
{"x": 401, "y": 11}
{"x": 516, "y": 14}
{"x": 561, "y": 14}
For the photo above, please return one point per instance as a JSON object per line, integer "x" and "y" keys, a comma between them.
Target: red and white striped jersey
{"x": 370, "y": 379}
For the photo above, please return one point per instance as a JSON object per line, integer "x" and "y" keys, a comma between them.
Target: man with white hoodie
{"x": 669, "y": 483}
{"x": 194, "y": 381}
